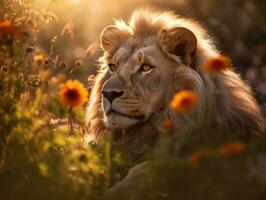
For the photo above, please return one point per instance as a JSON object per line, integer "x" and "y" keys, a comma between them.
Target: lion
{"x": 144, "y": 63}
{"x": 148, "y": 60}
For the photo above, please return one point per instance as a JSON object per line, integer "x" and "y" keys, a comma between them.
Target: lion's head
{"x": 147, "y": 61}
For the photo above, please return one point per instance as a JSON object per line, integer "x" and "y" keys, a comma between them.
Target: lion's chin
{"x": 120, "y": 121}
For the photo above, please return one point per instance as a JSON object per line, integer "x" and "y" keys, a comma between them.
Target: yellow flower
{"x": 73, "y": 93}
{"x": 184, "y": 101}
{"x": 217, "y": 64}
{"x": 54, "y": 80}
{"x": 38, "y": 59}
{"x": 231, "y": 149}
{"x": 6, "y": 28}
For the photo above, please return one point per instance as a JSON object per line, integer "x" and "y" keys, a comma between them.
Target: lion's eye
{"x": 146, "y": 68}
{"x": 112, "y": 67}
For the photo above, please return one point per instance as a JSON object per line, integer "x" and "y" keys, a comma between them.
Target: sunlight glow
{"x": 74, "y": 2}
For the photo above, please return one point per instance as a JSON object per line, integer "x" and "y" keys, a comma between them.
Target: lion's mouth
{"x": 112, "y": 111}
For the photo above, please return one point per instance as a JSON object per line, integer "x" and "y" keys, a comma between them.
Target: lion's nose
{"x": 111, "y": 95}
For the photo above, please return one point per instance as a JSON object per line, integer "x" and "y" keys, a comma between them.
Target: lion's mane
{"x": 234, "y": 108}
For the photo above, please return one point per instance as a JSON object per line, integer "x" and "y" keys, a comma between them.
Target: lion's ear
{"x": 112, "y": 37}
{"x": 180, "y": 42}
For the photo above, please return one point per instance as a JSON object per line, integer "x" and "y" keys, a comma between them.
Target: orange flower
{"x": 199, "y": 155}
{"x": 231, "y": 149}
{"x": 6, "y": 28}
{"x": 184, "y": 101}
{"x": 217, "y": 64}
{"x": 73, "y": 93}
{"x": 168, "y": 124}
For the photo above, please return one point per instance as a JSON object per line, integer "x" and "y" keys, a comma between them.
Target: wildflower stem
{"x": 70, "y": 122}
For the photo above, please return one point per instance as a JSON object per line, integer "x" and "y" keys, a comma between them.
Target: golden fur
{"x": 232, "y": 108}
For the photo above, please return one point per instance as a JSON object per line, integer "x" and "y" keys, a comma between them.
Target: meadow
{"x": 47, "y": 65}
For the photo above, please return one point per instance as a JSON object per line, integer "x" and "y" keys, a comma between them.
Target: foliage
{"x": 40, "y": 158}
{"x": 42, "y": 152}
{"x": 211, "y": 176}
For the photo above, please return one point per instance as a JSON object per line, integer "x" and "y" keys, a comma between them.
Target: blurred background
{"x": 237, "y": 26}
